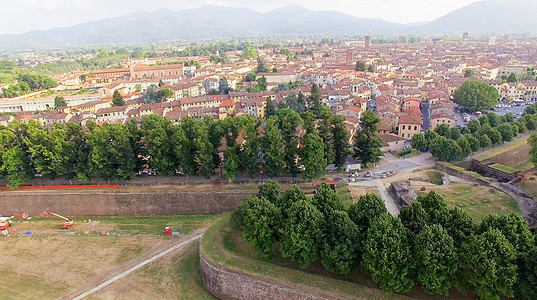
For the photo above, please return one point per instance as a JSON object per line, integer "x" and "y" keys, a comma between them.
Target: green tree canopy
{"x": 387, "y": 256}
{"x": 302, "y": 231}
{"x": 474, "y": 96}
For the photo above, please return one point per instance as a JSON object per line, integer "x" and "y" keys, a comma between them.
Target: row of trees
{"x": 452, "y": 144}
{"x": 28, "y": 83}
{"x": 193, "y": 147}
{"x": 429, "y": 243}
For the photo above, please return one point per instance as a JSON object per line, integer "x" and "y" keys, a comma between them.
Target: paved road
{"x": 138, "y": 266}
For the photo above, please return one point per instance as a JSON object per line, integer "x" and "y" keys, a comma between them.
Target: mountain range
{"x": 209, "y": 22}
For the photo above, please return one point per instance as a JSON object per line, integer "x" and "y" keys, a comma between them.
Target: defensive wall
{"x": 82, "y": 203}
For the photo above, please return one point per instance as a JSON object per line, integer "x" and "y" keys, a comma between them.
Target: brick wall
{"x": 117, "y": 203}
{"x": 226, "y": 284}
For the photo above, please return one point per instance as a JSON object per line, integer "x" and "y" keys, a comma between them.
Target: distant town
{"x": 409, "y": 84}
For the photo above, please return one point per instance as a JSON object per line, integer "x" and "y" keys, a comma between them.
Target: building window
{"x": 403, "y": 127}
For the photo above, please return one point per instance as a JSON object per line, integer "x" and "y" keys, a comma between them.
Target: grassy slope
{"x": 173, "y": 277}
{"x": 477, "y": 200}
{"x": 223, "y": 244}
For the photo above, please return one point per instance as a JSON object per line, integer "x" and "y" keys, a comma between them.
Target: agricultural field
{"x": 52, "y": 263}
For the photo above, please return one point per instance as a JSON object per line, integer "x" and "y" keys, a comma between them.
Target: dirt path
{"x": 389, "y": 202}
{"x": 134, "y": 265}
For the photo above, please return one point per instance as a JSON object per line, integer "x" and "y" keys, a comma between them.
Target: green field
{"x": 51, "y": 263}
{"x": 503, "y": 168}
{"x": 435, "y": 177}
{"x": 478, "y": 201}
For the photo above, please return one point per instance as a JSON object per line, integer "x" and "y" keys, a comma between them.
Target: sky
{"x": 18, "y": 16}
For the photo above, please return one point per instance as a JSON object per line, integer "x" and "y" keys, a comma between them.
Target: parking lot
{"x": 502, "y": 109}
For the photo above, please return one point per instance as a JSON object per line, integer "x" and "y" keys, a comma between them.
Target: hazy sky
{"x": 17, "y": 16}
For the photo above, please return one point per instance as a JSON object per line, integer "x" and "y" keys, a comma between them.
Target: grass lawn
{"x": 503, "y": 168}
{"x": 500, "y": 149}
{"x": 51, "y": 263}
{"x": 530, "y": 187}
{"x": 435, "y": 177}
{"x": 175, "y": 276}
{"x": 478, "y": 201}
{"x": 224, "y": 244}
{"x": 344, "y": 194}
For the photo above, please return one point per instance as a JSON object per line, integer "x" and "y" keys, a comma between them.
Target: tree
{"x": 326, "y": 200}
{"x": 445, "y": 149}
{"x": 474, "y": 125}
{"x": 302, "y": 233}
{"x": 223, "y": 87}
{"x": 419, "y": 142}
{"x": 111, "y": 154}
{"x": 270, "y": 109}
{"x": 469, "y": 73}
{"x": 466, "y": 147}
{"x": 515, "y": 229}
{"x": 152, "y": 95}
{"x": 59, "y": 101}
{"x": 250, "y": 77}
{"x": 313, "y": 156}
{"x": 485, "y": 141}
{"x": 436, "y": 259}
{"x": 249, "y": 153}
{"x": 491, "y": 273}
{"x": 430, "y": 135}
{"x": 261, "y": 67}
{"x": 16, "y": 166}
{"x": 158, "y": 140}
{"x": 506, "y": 131}
{"x": 474, "y": 95}
{"x": 315, "y": 103}
{"x": 274, "y": 149}
{"x": 231, "y": 164}
{"x": 368, "y": 208}
{"x": 260, "y": 220}
{"x": 291, "y": 196}
{"x": 371, "y": 68}
{"x": 474, "y": 142}
{"x": 367, "y": 143}
{"x": 341, "y": 140}
{"x": 249, "y": 52}
{"x": 261, "y": 84}
{"x": 117, "y": 99}
{"x": 387, "y": 256}
{"x": 443, "y": 130}
{"x": 338, "y": 248}
{"x": 271, "y": 190}
{"x": 455, "y": 133}
{"x": 324, "y": 129}
{"x": 460, "y": 226}
{"x": 361, "y": 66}
{"x": 513, "y": 77}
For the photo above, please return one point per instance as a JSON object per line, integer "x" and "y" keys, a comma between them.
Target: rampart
{"x": 119, "y": 203}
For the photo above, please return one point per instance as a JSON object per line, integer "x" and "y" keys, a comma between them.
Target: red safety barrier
{"x": 26, "y": 187}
